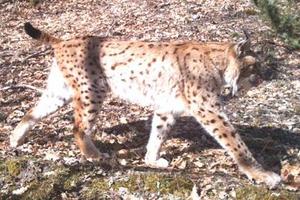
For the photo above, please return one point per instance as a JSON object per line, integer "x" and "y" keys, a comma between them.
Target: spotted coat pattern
{"x": 172, "y": 77}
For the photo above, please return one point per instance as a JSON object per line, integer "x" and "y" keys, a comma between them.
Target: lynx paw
{"x": 15, "y": 141}
{"x": 271, "y": 179}
{"x": 159, "y": 163}
{"x": 97, "y": 157}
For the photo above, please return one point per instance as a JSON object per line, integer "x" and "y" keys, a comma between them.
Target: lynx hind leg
{"x": 56, "y": 95}
{"x": 161, "y": 125}
{"x": 218, "y": 126}
{"x": 86, "y": 105}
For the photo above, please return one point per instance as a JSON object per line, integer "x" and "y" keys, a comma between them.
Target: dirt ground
{"x": 48, "y": 165}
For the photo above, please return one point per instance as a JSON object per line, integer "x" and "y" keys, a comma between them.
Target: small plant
{"x": 14, "y": 167}
{"x": 35, "y": 2}
{"x": 284, "y": 17}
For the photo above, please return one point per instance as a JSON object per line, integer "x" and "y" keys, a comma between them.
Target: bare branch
{"x": 39, "y": 53}
{"x": 23, "y": 87}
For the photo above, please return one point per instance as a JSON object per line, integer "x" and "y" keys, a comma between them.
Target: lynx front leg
{"x": 161, "y": 125}
{"x": 55, "y": 96}
{"x": 218, "y": 127}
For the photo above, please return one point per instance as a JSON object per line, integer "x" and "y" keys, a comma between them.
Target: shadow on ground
{"x": 269, "y": 145}
{"x": 92, "y": 180}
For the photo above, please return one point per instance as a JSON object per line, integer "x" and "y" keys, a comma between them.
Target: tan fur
{"x": 172, "y": 77}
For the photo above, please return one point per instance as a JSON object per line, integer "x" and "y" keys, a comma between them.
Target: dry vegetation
{"x": 47, "y": 166}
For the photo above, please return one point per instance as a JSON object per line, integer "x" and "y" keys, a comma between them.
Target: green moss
{"x": 14, "y": 166}
{"x": 39, "y": 189}
{"x": 250, "y": 11}
{"x": 47, "y": 187}
{"x": 72, "y": 181}
{"x": 153, "y": 182}
{"x": 284, "y": 17}
{"x": 260, "y": 193}
{"x": 235, "y": 35}
{"x": 2, "y": 166}
{"x": 178, "y": 185}
{"x": 96, "y": 189}
{"x": 132, "y": 183}
{"x": 35, "y": 2}
{"x": 3, "y": 116}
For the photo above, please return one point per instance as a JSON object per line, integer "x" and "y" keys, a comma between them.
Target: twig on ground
{"x": 35, "y": 54}
{"x": 279, "y": 45}
{"x": 109, "y": 30}
{"x": 4, "y": 1}
{"x": 22, "y": 86}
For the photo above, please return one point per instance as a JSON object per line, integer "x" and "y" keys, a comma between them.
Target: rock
{"x": 296, "y": 108}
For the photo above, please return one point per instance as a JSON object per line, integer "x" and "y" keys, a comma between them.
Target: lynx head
{"x": 238, "y": 64}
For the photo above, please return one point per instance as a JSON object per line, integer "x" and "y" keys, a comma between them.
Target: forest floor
{"x": 48, "y": 165}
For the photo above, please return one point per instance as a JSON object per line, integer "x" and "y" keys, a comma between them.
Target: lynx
{"x": 174, "y": 78}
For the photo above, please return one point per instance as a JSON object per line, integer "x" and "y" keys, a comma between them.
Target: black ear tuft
{"x": 31, "y": 31}
{"x": 243, "y": 45}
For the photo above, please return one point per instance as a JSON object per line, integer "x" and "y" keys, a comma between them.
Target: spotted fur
{"x": 172, "y": 77}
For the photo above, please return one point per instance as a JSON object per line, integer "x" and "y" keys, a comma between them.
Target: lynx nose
{"x": 228, "y": 90}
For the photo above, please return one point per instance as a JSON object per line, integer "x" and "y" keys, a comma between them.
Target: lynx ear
{"x": 243, "y": 45}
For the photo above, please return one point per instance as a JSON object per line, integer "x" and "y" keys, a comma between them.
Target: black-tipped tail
{"x": 31, "y": 31}
{"x": 40, "y": 35}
